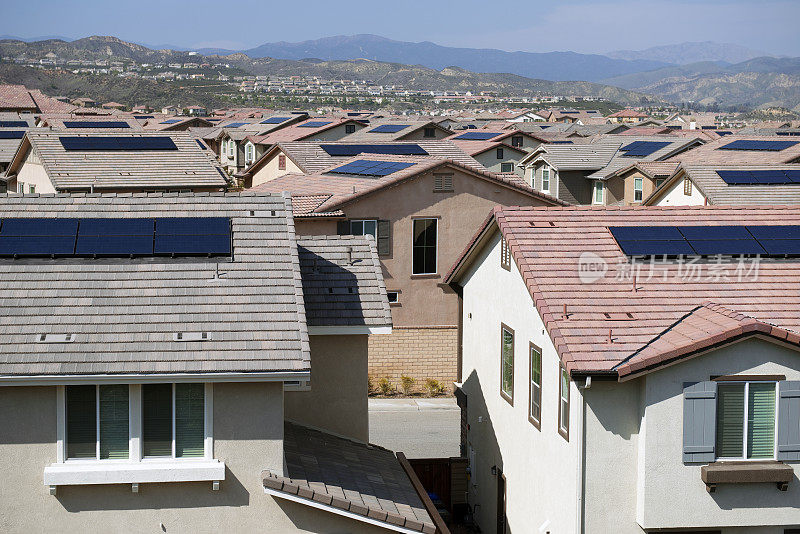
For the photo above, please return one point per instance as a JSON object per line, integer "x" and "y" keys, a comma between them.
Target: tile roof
{"x": 57, "y": 121}
{"x": 548, "y": 245}
{"x": 341, "y": 474}
{"x": 189, "y": 166}
{"x": 124, "y": 313}
{"x": 14, "y": 97}
{"x": 8, "y": 147}
{"x": 365, "y": 135}
{"x": 576, "y": 157}
{"x": 296, "y": 132}
{"x": 711, "y": 154}
{"x": 473, "y": 148}
{"x": 342, "y": 281}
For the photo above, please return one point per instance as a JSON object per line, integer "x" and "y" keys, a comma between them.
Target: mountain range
{"x": 686, "y": 53}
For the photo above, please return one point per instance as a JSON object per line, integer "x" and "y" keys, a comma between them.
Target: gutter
{"x": 580, "y": 489}
{"x": 52, "y": 380}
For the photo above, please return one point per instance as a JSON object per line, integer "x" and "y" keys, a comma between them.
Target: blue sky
{"x": 529, "y": 25}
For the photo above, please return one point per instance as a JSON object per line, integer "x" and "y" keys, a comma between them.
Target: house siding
{"x": 269, "y": 171}
{"x": 674, "y": 196}
{"x": 32, "y": 172}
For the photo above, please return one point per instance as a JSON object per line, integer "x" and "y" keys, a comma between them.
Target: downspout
{"x": 581, "y": 441}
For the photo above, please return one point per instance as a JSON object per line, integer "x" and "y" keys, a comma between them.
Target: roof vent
{"x": 618, "y": 316}
{"x": 254, "y": 213}
{"x": 55, "y": 338}
{"x": 191, "y": 336}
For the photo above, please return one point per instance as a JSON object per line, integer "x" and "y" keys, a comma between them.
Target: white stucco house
{"x": 600, "y": 394}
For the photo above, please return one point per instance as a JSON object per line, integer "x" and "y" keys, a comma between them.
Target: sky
{"x": 586, "y": 26}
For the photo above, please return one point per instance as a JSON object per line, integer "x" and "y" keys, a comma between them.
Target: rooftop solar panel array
{"x": 477, "y": 136}
{"x": 272, "y": 120}
{"x": 13, "y": 124}
{"x": 12, "y": 134}
{"x": 143, "y": 117}
{"x": 389, "y": 128}
{"x": 747, "y": 144}
{"x": 171, "y": 121}
{"x": 788, "y": 133}
{"x": 314, "y": 124}
{"x": 762, "y": 177}
{"x": 642, "y": 149}
{"x": 355, "y": 150}
{"x": 96, "y": 124}
{"x": 724, "y": 132}
{"x": 117, "y": 143}
{"x": 366, "y": 167}
{"x": 234, "y": 125}
{"x": 708, "y": 240}
{"x": 178, "y": 236}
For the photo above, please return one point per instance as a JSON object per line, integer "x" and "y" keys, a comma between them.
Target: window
{"x": 507, "y": 363}
{"x": 597, "y": 195}
{"x": 423, "y": 252}
{"x": 746, "y": 420}
{"x": 505, "y": 254}
{"x": 364, "y": 227}
{"x": 516, "y": 140}
{"x": 687, "y": 187}
{"x": 637, "y": 189}
{"x": 563, "y": 404}
{"x": 349, "y": 128}
{"x": 500, "y": 153}
{"x": 535, "y": 391}
{"x": 546, "y": 178}
{"x": 97, "y": 424}
{"x": 281, "y": 162}
{"x": 21, "y": 188}
{"x": 442, "y": 183}
{"x": 429, "y": 132}
{"x": 248, "y": 153}
{"x": 173, "y": 420}
{"x": 231, "y": 145}
{"x": 506, "y": 167}
{"x": 659, "y": 181}
{"x": 393, "y": 296}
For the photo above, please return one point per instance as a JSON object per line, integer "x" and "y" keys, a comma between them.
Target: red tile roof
{"x": 14, "y": 97}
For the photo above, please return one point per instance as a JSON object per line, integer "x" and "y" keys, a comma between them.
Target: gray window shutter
{"x": 789, "y": 420}
{"x": 343, "y": 227}
{"x": 699, "y": 422}
{"x": 384, "y": 237}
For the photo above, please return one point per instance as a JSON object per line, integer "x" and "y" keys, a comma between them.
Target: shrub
{"x": 385, "y": 386}
{"x": 406, "y": 382}
{"x": 434, "y": 387}
{"x": 370, "y": 385}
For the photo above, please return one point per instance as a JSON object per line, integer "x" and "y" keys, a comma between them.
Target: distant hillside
{"x": 685, "y": 53}
{"x": 95, "y": 47}
{"x": 763, "y": 81}
{"x": 556, "y": 66}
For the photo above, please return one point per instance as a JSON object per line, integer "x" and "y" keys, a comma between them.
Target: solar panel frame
{"x": 109, "y": 143}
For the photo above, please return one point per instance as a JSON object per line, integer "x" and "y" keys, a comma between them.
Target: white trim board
{"x": 79, "y": 473}
{"x": 44, "y": 380}
{"x": 348, "y": 330}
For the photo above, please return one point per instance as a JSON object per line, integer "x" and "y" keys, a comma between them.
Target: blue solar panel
{"x": 192, "y": 244}
{"x": 760, "y": 177}
{"x": 314, "y": 124}
{"x": 779, "y": 247}
{"x": 117, "y": 143}
{"x": 780, "y": 231}
{"x": 714, "y": 232}
{"x": 171, "y": 121}
{"x": 271, "y": 120}
{"x": 724, "y": 132}
{"x": 200, "y": 144}
{"x": 712, "y": 247}
{"x": 355, "y": 150}
{"x": 96, "y": 124}
{"x": 234, "y": 125}
{"x": 193, "y": 226}
{"x": 28, "y": 226}
{"x": 115, "y": 245}
{"x": 11, "y": 134}
{"x": 788, "y": 133}
{"x": 656, "y": 248}
{"x": 37, "y": 245}
{"x": 642, "y": 148}
{"x": 477, "y": 136}
{"x": 365, "y": 167}
{"x": 389, "y": 128}
{"x": 13, "y": 124}
{"x": 143, "y": 117}
{"x": 746, "y": 144}
{"x": 117, "y": 226}
{"x": 561, "y": 142}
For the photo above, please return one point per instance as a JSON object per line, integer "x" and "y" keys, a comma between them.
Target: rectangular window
{"x": 659, "y": 181}
{"x": 500, "y": 153}
{"x": 248, "y": 158}
{"x": 429, "y": 132}
{"x": 423, "y": 252}
{"x": 349, "y": 128}
{"x": 97, "y": 422}
{"x": 231, "y": 146}
{"x": 746, "y": 420}
{"x": 173, "y": 420}
{"x": 516, "y": 140}
{"x": 637, "y": 189}
{"x": 32, "y": 189}
{"x": 563, "y": 404}
{"x": 597, "y": 195}
{"x": 535, "y": 392}
{"x": 506, "y": 167}
{"x": 364, "y": 227}
{"x": 393, "y": 296}
{"x": 507, "y": 363}
{"x": 687, "y": 187}
{"x": 546, "y": 178}
{"x": 505, "y": 254}
{"x": 281, "y": 162}
{"x": 21, "y": 188}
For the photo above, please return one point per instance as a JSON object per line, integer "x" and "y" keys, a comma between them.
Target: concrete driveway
{"x": 420, "y": 428}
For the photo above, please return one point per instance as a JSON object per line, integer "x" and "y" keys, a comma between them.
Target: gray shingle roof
{"x": 720, "y": 193}
{"x": 342, "y": 281}
{"x": 123, "y": 313}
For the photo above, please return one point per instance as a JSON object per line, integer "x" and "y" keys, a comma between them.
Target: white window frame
{"x": 436, "y": 248}
{"x": 744, "y": 457}
{"x": 602, "y": 192}
{"x": 249, "y": 153}
{"x": 639, "y": 190}
{"x": 231, "y": 146}
{"x": 504, "y": 164}
{"x": 362, "y": 221}
{"x": 549, "y": 177}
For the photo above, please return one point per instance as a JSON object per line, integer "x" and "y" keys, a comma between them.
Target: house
{"x": 50, "y": 161}
{"x": 422, "y": 211}
{"x": 497, "y": 157}
{"x": 128, "y": 400}
{"x": 749, "y": 149}
{"x": 113, "y": 105}
{"x": 143, "y": 108}
{"x": 19, "y": 99}
{"x": 637, "y": 181}
{"x": 627, "y": 115}
{"x": 84, "y": 102}
{"x": 733, "y": 185}
{"x": 170, "y": 110}
{"x": 524, "y": 141}
{"x": 176, "y": 124}
{"x": 196, "y": 111}
{"x": 12, "y": 129}
{"x": 72, "y": 121}
{"x": 613, "y": 396}
{"x": 395, "y": 130}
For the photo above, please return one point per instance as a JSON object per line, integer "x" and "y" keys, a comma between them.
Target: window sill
{"x": 746, "y": 472}
{"x": 426, "y": 275}
{"x": 102, "y": 472}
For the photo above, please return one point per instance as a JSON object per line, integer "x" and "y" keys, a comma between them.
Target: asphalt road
{"x": 420, "y": 428}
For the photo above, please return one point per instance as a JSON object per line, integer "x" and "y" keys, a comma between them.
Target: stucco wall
{"x": 269, "y": 170}
{"x": 489, "y": 160}
{"x": 32, "y": 172}
{"x": 248, "y": 432}
{"x": 574, "y": 188}
{"x": 333, "y": 134}
{"x": 337, "y": 401}
{"x": 540, "y": 465}
{"x": 674, "y": 196}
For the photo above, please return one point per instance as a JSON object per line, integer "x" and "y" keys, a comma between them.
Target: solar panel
{"x": 37, "y": 245}
{"x": 171, "y": 121}
{"x": 96, "y": 124}
{"x": 712, "y": 247}
{"x": 642, "y": 148}
{"x": 114, "y": 245}
{"x": 787, "y": 133}
{"x": 234, "y": 125}
{"x": 13, "y": 124}
{"x": 29, "y": 226}
{"x": 117, "y": 143}
{"x": 714, "y": 232}
{"x": 11, "y": 134}
{"x": 760, "y": 177}
{"x": 365, "y": 167}
{"x": 116, "y": 227}
{"x": 561, "y": 142}
{"x": 355, "y": 150}
{"x": 779, "y": 231}
{"x": 314, "y": 124}
{"x": 746, "y": 144}
{"x": 724, "y": 132}
{"x": 192, "y": 244}
{"x": 656, "y": 248}
{"x": 143, "y": 117}
{"x": 477, "y": 136}
{"x": 200, "y": 144}
{"x": 271, "y": 120}
{"x": 193, "y": 226}
{"x": 780, "y": 247}
{"x": 389, "y": 128}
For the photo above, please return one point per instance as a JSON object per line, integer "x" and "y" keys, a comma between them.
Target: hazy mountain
{"x": 547, "y": 66}
{"x": 685, "y": 53}
{"x": 32, "y": 39}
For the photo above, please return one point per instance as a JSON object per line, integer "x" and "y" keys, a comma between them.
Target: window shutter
{"x": 699, "y": 422}
{"x": 384, "y": 237}
{"x": 789, "y": 420}
{"x": 343, "y": 227}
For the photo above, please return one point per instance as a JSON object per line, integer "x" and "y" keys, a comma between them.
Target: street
{"x": 420, "y": 428}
